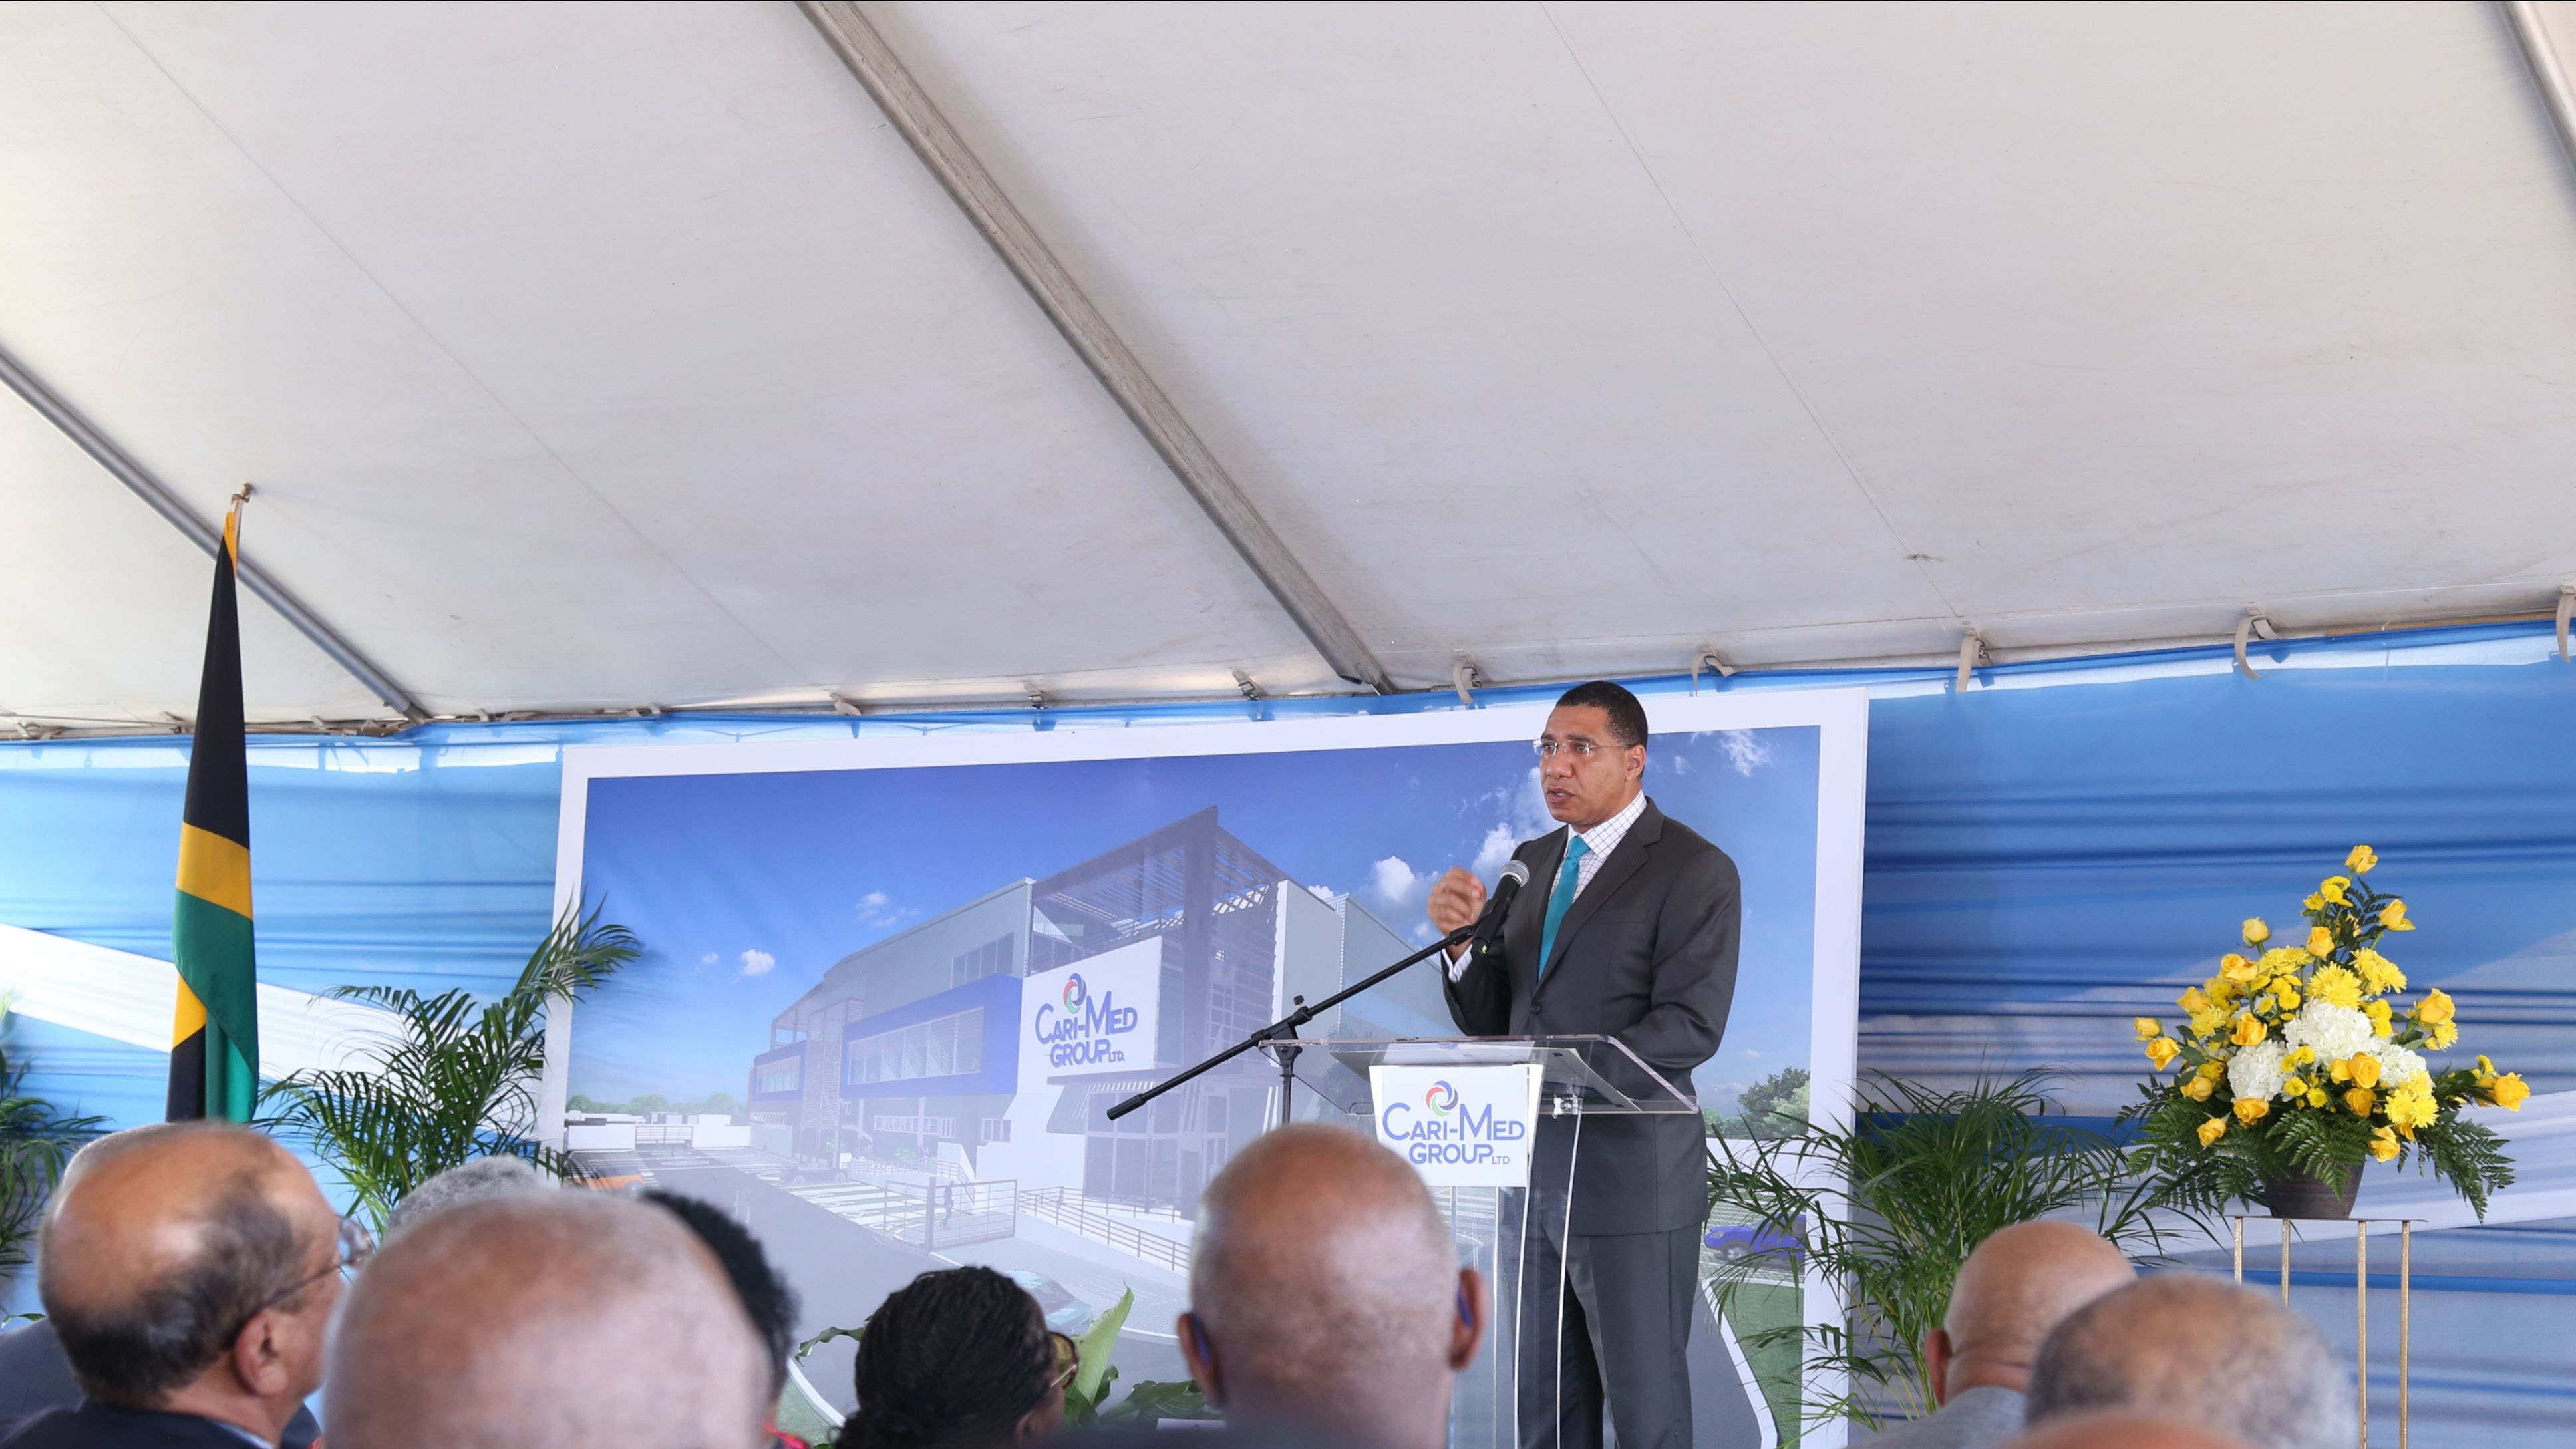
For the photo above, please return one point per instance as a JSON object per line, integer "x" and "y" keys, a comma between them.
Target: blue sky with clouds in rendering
{"x": 745, "y": 888}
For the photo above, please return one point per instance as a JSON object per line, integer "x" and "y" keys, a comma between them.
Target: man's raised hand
{"x": 1457, "y": 899}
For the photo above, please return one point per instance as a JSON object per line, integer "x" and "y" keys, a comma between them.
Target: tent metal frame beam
{"x": 157, "y": 495}
{"x": 2532, "y": 36}
{"x": 972, "y": 187}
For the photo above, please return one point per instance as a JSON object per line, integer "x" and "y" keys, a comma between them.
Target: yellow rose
{"x": 2320, "y": 942}
{"x": 2235, "y": 968}
{"x": 2250, "y": 1110}
{"x": 2313, "y": 903}
{"x": 2486, "y": 1068}
{"x": 2197, "y": 1087}
{"x": 2441, "y": 1036}
{"x": 2248, "y": 1031}
{"x": 2194, "y": 1000}
{"x": 2147, "y": 1027}
{"x": 2383, "y": 1144}
{"x": 2508, "y": 1092}
{"x": 2393, "y": 916}
{"x": 2212, "y": 1130}
{"x": 2316, "y": 1096}
{"x": 2333, "y": 887}
{"x": 2361, "y": 860}
{"x": 2162, "y": 1051}
{"x": 2378, "y": 973}
{"x": 2341, "y": 1071}
{"x": 2256, "y": 933}
{"x": 2335, "y": 986}
{"x": 2360, "y": 1100}
{"x": 2436, "y": 1006}
{"x": 2363, "y": 1069}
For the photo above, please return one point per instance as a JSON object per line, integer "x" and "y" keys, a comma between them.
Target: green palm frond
{"x": 455, "y": 1080}
{"x": 36, "y": 1140}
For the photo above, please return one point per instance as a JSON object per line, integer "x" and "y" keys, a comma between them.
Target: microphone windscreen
{"x": 1518, "y": 870}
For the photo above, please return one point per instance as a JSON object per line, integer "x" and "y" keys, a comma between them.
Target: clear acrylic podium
{"x": 1579, "y": 1076}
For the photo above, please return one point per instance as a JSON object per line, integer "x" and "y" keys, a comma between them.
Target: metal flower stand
{"x": 2361, "y": 1305}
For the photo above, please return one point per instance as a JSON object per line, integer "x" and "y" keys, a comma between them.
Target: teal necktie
{"x": 1561, "y": 898}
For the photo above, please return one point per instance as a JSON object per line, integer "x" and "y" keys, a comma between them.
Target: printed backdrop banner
{"x": 913, "y": 975}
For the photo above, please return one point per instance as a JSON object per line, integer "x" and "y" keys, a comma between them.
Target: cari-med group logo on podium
{"x": 1459, "y": 1126}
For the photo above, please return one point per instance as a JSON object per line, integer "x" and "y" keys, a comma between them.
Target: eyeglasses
{"x": 356, "y": 1246}
{"x": 1579, "y": 749}
{"x": 1068, "y": 1359}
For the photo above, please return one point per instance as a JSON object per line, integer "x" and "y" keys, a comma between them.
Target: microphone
{"x": 1487, "y": 943}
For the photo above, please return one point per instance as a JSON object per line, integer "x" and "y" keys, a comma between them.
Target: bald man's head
{"x": 2121, "y": 1430}
{"x": 161, "y": 1245}
{"x": 542, "y": 1320}
{"x": 1324, "y": 1281}
{"x": 2198, "y": 1351}
{"x": 2016, "y": 1286}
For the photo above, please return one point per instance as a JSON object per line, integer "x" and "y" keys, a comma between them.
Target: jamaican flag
{"x": 214, "y": 1044}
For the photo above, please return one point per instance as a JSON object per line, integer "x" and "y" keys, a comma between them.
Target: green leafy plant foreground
{"x": 455, "y": 1082}
{"x": 1886, "y": 1210}
{"x": 36, "y": 1140}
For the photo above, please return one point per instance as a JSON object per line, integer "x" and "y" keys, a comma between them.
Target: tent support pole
{"x": 204, "y": 535}
{"x": 2546, "y": 73}
{"x": 940, "y": 148}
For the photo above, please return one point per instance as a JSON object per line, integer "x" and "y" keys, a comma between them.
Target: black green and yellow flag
{"x": 214, "y": 1044}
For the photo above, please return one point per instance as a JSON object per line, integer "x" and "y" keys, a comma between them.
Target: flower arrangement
{"x": 2298, "y": 1062}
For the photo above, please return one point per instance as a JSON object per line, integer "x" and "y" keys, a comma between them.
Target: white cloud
{"x": 1321, "y": 893}
{"x": 1745, "y": 750}
{"x": 757, "y": 963}
{"x": 708, "y": 959}
{"x": 1497, "y": 848}
{"x": 1395, "y": 882}
{"x": 876, "y": 908}
{"x": 1423, "y": 935}
{"x": 1681, "y": 764}
{"x": 1752, "y": 1054}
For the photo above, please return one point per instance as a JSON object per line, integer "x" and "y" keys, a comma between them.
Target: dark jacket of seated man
{"x": 35, "y": 1378}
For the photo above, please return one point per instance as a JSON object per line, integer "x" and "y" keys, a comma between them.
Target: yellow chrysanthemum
{"x": 2288, "y": 996}
{"x": 2441, "y": 1036}
{"x": 2162, "y": 1051}
{"x": 2250, "y": 1110}
{"x": 2333, "y": 887}
{"x": 2316, "y": 1096}
{"x": 2379, "y": 1014}
{"x": 2361, "y": 1100}
{"x": 2411, "y": 1107}
{"x": 2198, "y": 1087}
{"x": 2383, "y": 1144}
{"x": 2299, "y": 1057}
{"x": 2205, "y": 1023}
{"x": 2363, "y": 1068}
{"x": 2212, "y": 1130}
{"x": 2508, "y": 1091}
{"x": 2335, "y": 986}
{"x": 2361, "y": 860}
{"x": 2393, "y": 916}
{"x": 2436, "y": 1006}
{"x": 2378, "y": 973}
{"x": 2293, "y": 1087}
{"x": 2283, "y": 961}
{"x": 2313, "y": 903}
{"x": 2213, "y": 1070}
{"x": 2248, "y": 1030}
{"x": 2256, "y": 933}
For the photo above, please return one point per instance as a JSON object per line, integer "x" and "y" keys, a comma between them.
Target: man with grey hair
{"x": 2018, "y": 1284}
{"x": 536, "y": 1320}
{"x": 1325, "y": 1294}
{"x": 473, "y": 1181}
{"x": 2202, "y": 1352}
{"x": 189, "y": 1272}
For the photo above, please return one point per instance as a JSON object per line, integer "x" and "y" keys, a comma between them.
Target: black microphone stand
{"x": 1280, "y": 1036}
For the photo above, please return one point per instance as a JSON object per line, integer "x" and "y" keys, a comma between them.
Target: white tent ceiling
{"x": 611, "y": 356}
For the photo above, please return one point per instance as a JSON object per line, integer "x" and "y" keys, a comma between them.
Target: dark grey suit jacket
{"x": 1646, "y": 954}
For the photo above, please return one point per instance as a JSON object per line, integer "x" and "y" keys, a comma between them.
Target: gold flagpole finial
{"x": 242, "y": 497}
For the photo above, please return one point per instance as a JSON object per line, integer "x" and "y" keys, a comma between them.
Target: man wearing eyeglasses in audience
{"x": 189, "y": 1271}
{"x": 1627, "y": 928}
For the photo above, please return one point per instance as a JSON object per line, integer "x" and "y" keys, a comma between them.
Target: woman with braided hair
{"x": 958, "y": 1359}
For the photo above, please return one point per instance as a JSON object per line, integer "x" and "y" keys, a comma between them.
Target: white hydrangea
{"x": 2256, "y": 1071}
{"x": 2398, "y": 1066}
{"x": 2332, "y": 1032}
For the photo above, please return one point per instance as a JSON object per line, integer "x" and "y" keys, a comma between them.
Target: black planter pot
{"x": 2302, "y": 1196}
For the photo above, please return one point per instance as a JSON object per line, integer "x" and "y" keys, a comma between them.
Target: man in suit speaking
{"x": 1633, "y": 935}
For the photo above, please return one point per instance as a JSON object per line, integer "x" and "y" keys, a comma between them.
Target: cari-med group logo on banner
{"x": 1084, "y": 1028}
